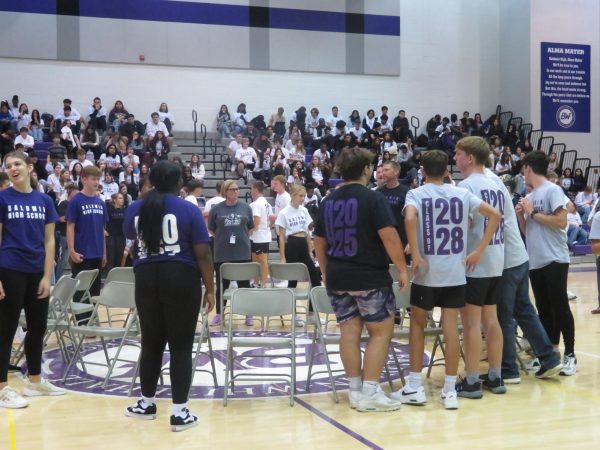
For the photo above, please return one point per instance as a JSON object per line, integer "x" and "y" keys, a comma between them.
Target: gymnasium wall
{"x": 442, "y": 46}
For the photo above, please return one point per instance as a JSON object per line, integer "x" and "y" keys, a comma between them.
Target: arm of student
{"x": 521, "y": 217}
{"x": 494, "y": 218}
{"x": 281, "y": 235}
{"x": 596, "y": 246}
{"x": 321, "y": 252}
{"x": 205, "y": 265}
{"x": 49, "y": 247}
{"x": 393, "y": 247}
{"x": 411, "y": 222}
{"x": 76, "y": 257}
{"x": 558, "y": 219}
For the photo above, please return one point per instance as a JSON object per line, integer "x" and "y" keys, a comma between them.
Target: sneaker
{"x": 570, "y": 294}
{"x": 9, "y": 398}
{"x": 466, "y": 390}
{"x": 496, "y": 386}
{"x": 249, "y": 321}
{"x": 139, "y": 411}
{"x": 299, "y": 323}
{"x": 216, "y": 320}
{"x": 354, "y": 397}
{"x": 513, "y": 379}
{"x": 12, "y": 368}
{"x": 549, "y": 372}
{"x": 43, "y": 388}
{"x": 183, "y": 423}
{"x": 569, "y": 365}
{"x": 409, "y": 396}
{"x": 378, "y": 402}
{"x": 449, "y": 399}
{"x": 533, "y": 365}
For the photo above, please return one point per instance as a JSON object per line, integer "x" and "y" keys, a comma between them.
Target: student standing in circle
{"x": 27, "y": 246}
{"x": 260, "y": 236}
{"x": 230, "y": 223}
{"x": 355, "y": 232}
{"x": 294, "y": 224}
{"x": 173, "y": 259}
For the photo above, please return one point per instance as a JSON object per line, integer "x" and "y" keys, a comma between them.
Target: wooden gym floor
{"x": 556, "y": 414}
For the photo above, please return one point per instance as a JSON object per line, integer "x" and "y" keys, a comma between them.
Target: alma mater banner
{"x": 565, "y": 87}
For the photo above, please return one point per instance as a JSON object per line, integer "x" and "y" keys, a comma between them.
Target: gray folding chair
{"x": 86, "y": 279}
{"x": 124, "y": 275}
{"x": 266, "y": 303}
{"x": 292, "y": 272}
{"x": 321, "y": 304}
{"x": 114, "y": 295}
{"x": 235, "y": 272}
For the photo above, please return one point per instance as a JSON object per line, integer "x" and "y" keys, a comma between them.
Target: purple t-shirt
{"x": 89, "y": 215}
{"x": 183, "y": 226}
{"x": 23, "y": 218}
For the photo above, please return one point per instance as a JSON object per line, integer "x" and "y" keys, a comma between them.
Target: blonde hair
{"x": 297, "y": 189}
{"x": 225, "y": 186}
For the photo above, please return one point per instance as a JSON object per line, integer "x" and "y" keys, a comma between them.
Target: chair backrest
{"x": 122, "y": 274}
{"x": 289, "y": 271}
{"x": 62, "y": 293}
{"x": 402, "y": 297}
{"x": 240, "y": 271}
{"x": 86, "y": 278}
{"x": 320, "y": 300}
{"x": 117, "y": 294}
{"x": 394, "y": 272}
{"x": 262, "y": 302}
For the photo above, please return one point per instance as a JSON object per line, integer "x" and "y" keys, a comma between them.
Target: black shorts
{"x": 483, "y": 291}
{"x": 426, "y": 297}
{"x": 259, "y": 247}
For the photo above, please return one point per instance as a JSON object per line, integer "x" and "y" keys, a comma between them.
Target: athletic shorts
{"x": 483, "y": 291}
{"x": 372, "y": 306}
{"x": 259, "y": 247}
{"x": 427, "y": 297}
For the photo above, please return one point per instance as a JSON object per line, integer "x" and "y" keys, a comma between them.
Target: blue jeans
{"x": 584, "y": 212}
{"x": 515, "y": 305}
{"x": 575, "y": 233}
{"x": 37, "y": 134}
{"x": 224, "y": 130}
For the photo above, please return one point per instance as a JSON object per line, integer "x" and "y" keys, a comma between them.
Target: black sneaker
{"x": 183, "y": 423}
{"x": 140, "y": 412}
{"x": 496, "y": 386}
{"x": 13, "y": 368}
{"x": 466, "y": 390}
{"x": 549, "y": 372}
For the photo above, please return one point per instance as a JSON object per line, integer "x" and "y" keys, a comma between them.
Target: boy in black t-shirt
{"x": 355, "y": 232}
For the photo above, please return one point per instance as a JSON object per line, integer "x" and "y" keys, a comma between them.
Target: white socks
{"x": 369, "y": 387}
{"x": 179, "y": 410}
{"x": 414, "y": 380}
{"x": 147, "y": 401}
{"x": 449, "y": 383}
{"x": 355, "y": 383}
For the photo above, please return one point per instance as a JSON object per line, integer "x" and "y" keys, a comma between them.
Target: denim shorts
{"x": 375, "y": 305}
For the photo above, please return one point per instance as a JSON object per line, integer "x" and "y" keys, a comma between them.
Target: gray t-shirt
{"x": 231, "y": 225}
{"x": 515, "y": 253}
{"x": 443, "y": 212}
{"x": 595, "y": 229}
{"x": 492, "y": 261}
{"x": 546, "y": 244}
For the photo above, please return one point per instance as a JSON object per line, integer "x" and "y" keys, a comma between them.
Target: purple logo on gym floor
{"x": 208, "y": 386}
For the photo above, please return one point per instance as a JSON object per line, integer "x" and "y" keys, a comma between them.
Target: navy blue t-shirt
{"x": 89, "y": 215}
{"x": 23, "y": 218}
{"x": 183, "y": 226}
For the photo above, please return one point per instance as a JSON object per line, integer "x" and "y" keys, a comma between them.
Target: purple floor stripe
{"x": 582, "y": 269}
{"x": 338, "y": 425}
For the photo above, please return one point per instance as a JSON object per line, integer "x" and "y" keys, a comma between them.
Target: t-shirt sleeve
{"x": 474, "y": 202}
{"x": 595, "y": 230}
{"x": 129, "y": 222}
{"x": 557, "y": 199}
{"x": 280, "y": 221}
{"x": 319, "y": 225}
{"x": 411, "y": 200}
{"x": 72, "y": 210}
{"x": 199, "y": 231}
{"x": 255, "y": 210}
{"x": 105, "y": 209}
{"x": 381, "y": 213}
{"x": 212, "y": 219}
{"x": 51, "y": 214}
{"x": 250, "y": 217}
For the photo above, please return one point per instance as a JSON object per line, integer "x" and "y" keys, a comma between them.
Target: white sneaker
{"x": 9, "y": 398}
{"x": 571, "y": 295}
{"x": 533, "y": 365}
{"x": 409, "y": 396}
{"x": 378, "y": 402}
{"x": 449, "y": 399}
{"x": 43, "y": 388}
{"x": 354, "y": 397}
{"x": 569, "y": 365}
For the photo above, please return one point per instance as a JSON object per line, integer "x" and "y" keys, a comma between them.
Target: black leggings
{"x": 167, "y": 296}
{"x": 549, "y": 285}
{"x": 241, "y": 284}
{"x": 21, "y": 293}
{"x": 296, "y": 251}
{"x": 114, "y": 251}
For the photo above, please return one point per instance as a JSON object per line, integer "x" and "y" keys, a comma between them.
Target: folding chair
{"x": 122, "y": 274}
{"x": 265, "y": 303}
{"x": 292, "y": 272}
{"x": 322, "y": 305}
{"x": 86, "y": 279}
{"x": 235, "y": 272}
{"x": 117, "y": 295}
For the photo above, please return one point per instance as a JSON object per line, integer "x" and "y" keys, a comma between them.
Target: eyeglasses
{"x": 233, "y": 189}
